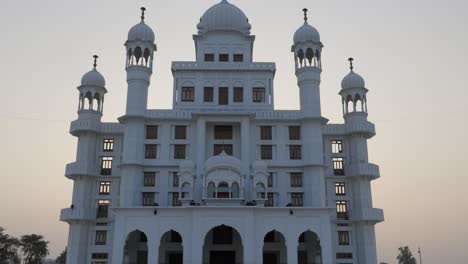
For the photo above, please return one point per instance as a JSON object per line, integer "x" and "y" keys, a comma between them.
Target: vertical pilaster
{"x": 245, "y": 156}
{"x": 291, "y": 247}
{"x": 201, "y": 150}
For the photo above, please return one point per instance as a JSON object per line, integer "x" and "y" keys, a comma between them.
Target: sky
{"x": 413, "y": 55}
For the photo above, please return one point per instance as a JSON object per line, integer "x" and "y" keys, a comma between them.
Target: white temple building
{"x": 222, "y": 177}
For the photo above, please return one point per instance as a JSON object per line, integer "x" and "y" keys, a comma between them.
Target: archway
{"x": 274, "y": 248}
{"x": 309, "y": 250}
{"x": 170, "y": 248}
{"x": 136, "y": 248}
{"x": 223, "y": 245}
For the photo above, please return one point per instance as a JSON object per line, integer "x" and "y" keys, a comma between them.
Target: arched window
{"x": 358, "y": 103}
{"x": 89, "y": 101}
{"x": 300, "y": 55}
{"x": 186, "y": 192}
{"x": 129, "y": 57}
{"x": 310, "y": 56}
{"x": 349, "y": 104}
{"x": 146, "y": 55}
{"x": 223, "y": 190}
{"x": 138, "y": 54}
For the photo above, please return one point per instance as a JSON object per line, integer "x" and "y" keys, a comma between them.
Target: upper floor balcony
{"x": 374, "y": 215}
{"x": 75, "y": 169}
{"x": 364, "y": 170}
{"x": 74, "y": 214}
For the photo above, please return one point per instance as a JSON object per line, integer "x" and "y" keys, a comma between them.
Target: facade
{"x": 222, "y": 177}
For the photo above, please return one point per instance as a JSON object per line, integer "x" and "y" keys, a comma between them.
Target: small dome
{"x": 93, "y": 77}
{"x": 141, "y": 31}
{"x": 223, "y": 160}
{"x": 353, "y": 80}
{"x": 306, "y": 33}
{"x": 224, "y": 16}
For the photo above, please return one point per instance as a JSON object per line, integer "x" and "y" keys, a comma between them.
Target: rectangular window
{"x": 108, "y": 145}
{"x": 294, "y": 133}
{"x": 175, "y": 199}
{"x": 340, "y": 189}
{"x": 269, "y": 202}
{"x": 175, "y": 179}
{"x": 296, "y": 179}
{"x": 99, "y": 256}
{"x": 342, "y": 210}
{"x": 338, "y": 166}
{"x": 223, "y": 96}
{"x": 337, "y": 146}
{"x": 218, "y": 149}
{"x": 188, "y": 94}
{"x": 209, "y": 57}
{"x": 147, "y": 199}
{"x": 238, "y": 57}
{"x": 224, "y": 57}
{"x": 266, "y": 133}
{"x": 258, "y": 95}
{"x": 151, "y": 132}
{"x": 179, "y": 151}
{"x": 345, "y": 255}
{"x": 150, "y": 151}
{"x": 103, "y": 208}
{"x": 238, "y": 94}
{"x": 104, "y": 187}
{"x": 101, "y": 237}
{"x": 270, "y": 180}
{"x": 106, "y": 165}
{"x": 295, "y": 152}
{"x": 208, "y": 94}
{"x": 297, "y": 199}
{"x": 149, "y": 179}
{"x": 266, "y": 152}
{"x": 223, "y": 132}
{"x": 180, "y": 132}
{"x": 343, "y": 238}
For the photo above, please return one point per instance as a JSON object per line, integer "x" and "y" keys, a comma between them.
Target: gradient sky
{"x": 413, "y": 55}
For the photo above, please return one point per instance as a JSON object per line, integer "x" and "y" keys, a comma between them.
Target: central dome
{"x": 224, "y": 16}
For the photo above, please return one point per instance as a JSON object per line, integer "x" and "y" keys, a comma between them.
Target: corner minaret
{"x": 140, "y": 49}
{"x": 307, "y": 50}
{"x": 92, "y": 90}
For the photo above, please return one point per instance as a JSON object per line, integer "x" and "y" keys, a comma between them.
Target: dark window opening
{"x": 179, "y": 151}
{"x": 101, "y": 237}
{"x": 295, "y": 152}
{"x": 175, "y": 199}
{"x": 222, "y": 235}
{"x": 294, "y": 133}
{"x": 108, "y": 145}
{"x": 266, "y": 152}
{"x": 151, "y": 132}
{"x": 180, "y": 132}
{"x": 103, "y": 209}
{"x": 238, "y": 94}
{"x": 258, "y": 95}
{"x": 338, "y": 166}
{"x": 342, "y": 210}
{"x": 150, "y": 151}
{"x": 175, "y": 179}
{"x": 296, "y": 179}
{"x": 269, "y": 202}
{"x": 297, "y": 199}
{"x": 238, "y": 57}
{"x": 270, "y": 237}
{"x": 343, "y": 238}
{"x": 188, "y": 94}
{"x": 175, "y": 237}
{"x": 147, "y": 199}
{"x": 209, "y": 57}
{"x": 223, "y": 57}
{"x": 208, "y": 94}
{"x": 149, "y": 179}
{"x": 345, "y": 255}
{"x": 266, "y": 133}
{"x": 223, "y": 96}
{"x": 223, "y": 132}
{"x": 106, "y": 165}
{"x": 270, "y": 180}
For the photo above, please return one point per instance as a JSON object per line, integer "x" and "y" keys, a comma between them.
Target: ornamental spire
{"x": 95, "y": 60}
{"x": 351, "y": 63}
{"x": 305, "y": 10}
{"x": 143, "y": 9}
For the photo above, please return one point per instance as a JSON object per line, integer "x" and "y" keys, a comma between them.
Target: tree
{"x": 34, "y": 248}
{"x": 8, "y": 249}
{"x": 405, "y": 256}
{"x": 62, "y": 258}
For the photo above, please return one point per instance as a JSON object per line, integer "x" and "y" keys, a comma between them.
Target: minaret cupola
{"x": 92, "y": 90}
{"x": 140, "y": 44}
{"x": 307, "y": 46}
{"x": 353, "y": 92}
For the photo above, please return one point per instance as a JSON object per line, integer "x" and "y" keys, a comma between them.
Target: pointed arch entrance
{"x": 223, "y": 245}
{"x": 309, "y": 250}
{"x": 171, "y": 248}
{"x": 274, "y": 248}
{"x": 136, "y": 248}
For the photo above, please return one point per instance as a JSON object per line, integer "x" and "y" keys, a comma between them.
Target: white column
{"x": 153, "y": 250}
{"x": 201, "y": 146}
{"x": 245, "y": 156}
{"x": 249, "y": 239}
{"x": 291, "y": 247}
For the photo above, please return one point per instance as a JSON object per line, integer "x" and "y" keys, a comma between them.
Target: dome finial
{"x": 143, "y": 9}
{"x": 305, "y": 10}
{"x": 95, "y": 60}
{"x": 351, "y": 63}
